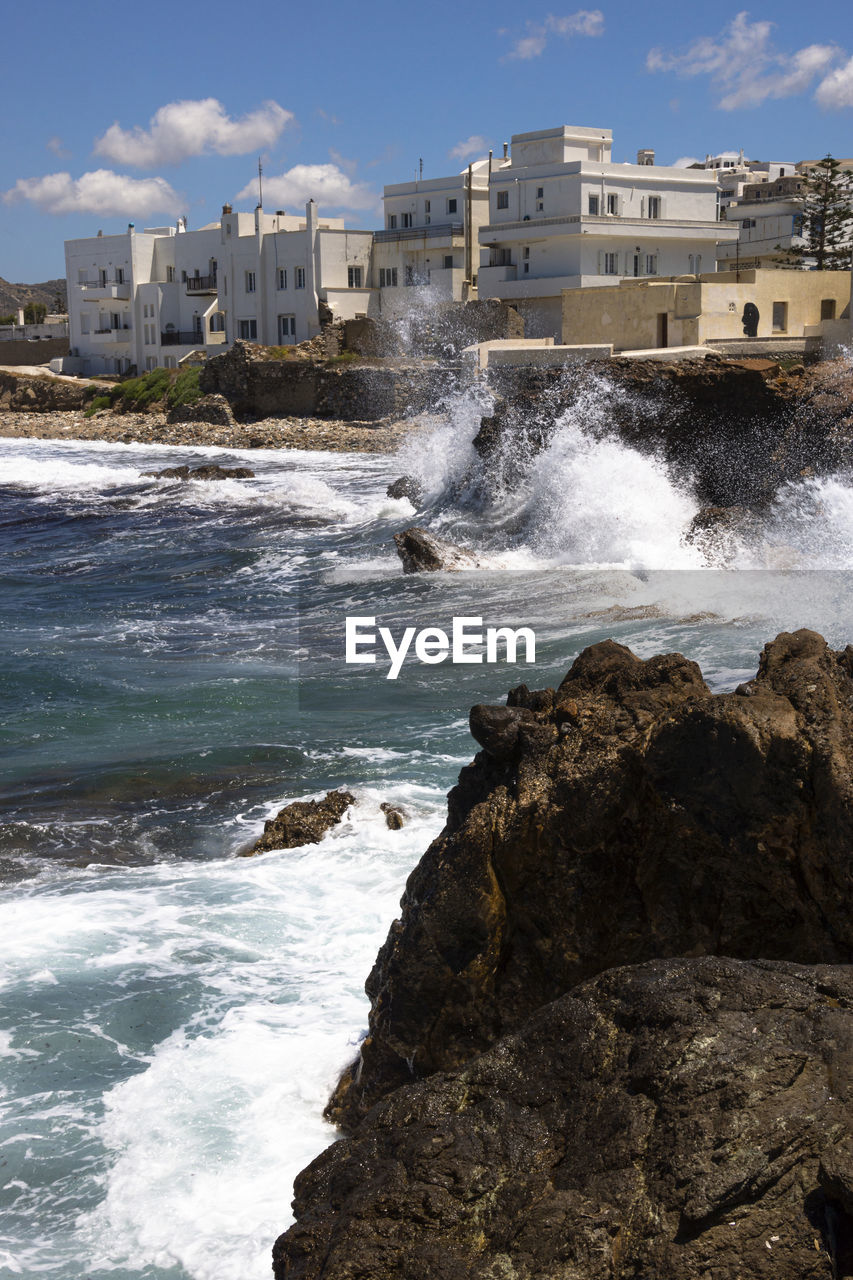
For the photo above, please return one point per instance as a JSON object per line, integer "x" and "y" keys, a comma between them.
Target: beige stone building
{"x": 695, "y": 310}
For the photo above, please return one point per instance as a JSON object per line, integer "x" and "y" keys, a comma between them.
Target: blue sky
{"x": 118, "y": 113}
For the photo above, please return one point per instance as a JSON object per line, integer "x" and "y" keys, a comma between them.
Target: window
{"x": 217, "y": 322}
{"x": 119, "y": 275}
{"x": 387, "y": 277}
{"x": 170, "y": 275}
{"x": 85, "y": 322}
{"x": 613, "y": 205}
{"x": 299, "y": 277}
{"x": 250, "y": 282}
{"x": 426, "y": 206}
{"x": 827, "y": 308}
{"x": 410, "y": 275}
{"x": 448, "y": 261}
{"x": 654, "y": 206}
{"x": 651, "y": 264}
{"x": 525, "y": 258}
{"x": 540, "y": 199}
{"x": 150, "y": 363}
{"x": 183, "y": 277}
{"x": 593, "y": 206}
{"x": 503, "y": 199}
{"x": 405, "y": 220}
{"x": 248, "y": 330}
{"x": 102, "y": 276}
{"x": 82, "y": 275}
{"x": 354, "y": 277}
{"x": 501, "y": 258}
{"x": 610, "y": 264}
{"x": 780, "y": 317}
{"x": 392, "y": 221}
{"x": 169, "y": 362}
{"x": 451, "y": 205}
{"x": 286, "y": 329}
{"x": 282, "y": 277}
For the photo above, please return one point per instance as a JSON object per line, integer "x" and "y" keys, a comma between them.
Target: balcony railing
{"x": 201, "y": 284}
{"x": 174, "y": 338}
{"x": 407, "y": 233}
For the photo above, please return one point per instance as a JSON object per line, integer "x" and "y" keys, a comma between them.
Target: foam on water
{"x": 253, "y": 971}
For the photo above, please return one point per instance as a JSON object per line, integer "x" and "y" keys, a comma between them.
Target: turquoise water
{"x": 172, "y": 671}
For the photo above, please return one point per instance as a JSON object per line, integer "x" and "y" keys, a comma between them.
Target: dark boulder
{"x": 303, "y": 822}
{"x": 406, "y": 487}
{"x": 422, "y": 552}
{"x": 678, "y": 1120}
{"x": 395, "y": 818}
{"x": 630, "y": 815}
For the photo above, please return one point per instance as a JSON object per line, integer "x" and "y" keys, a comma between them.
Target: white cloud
{"x": 744, "y": 66}
{"x": 684, "y": 162}
{"x": 191, "y": 128}
{"x": 54, "y": 144}
{"x": 586, "y": 22}
{"x": 836, "y": 90}
{"x": 473, "y": 146}
{"x": 326, "y": 184}
{"x": 100, "y": 191}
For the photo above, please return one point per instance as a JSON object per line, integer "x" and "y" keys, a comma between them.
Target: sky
{"x": 141, "y": 113}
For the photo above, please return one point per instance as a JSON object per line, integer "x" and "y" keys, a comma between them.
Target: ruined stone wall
{"x": 23, "y": 352}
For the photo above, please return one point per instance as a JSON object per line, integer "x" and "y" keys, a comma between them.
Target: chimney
{"x": 506, "y": 150}
{"x": 226, "y": 209}
{"x": 645, "y": 156}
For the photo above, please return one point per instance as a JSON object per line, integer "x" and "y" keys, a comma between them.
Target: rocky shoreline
{"x": 611, "y": 1034}
{"x": 155, "y": 428}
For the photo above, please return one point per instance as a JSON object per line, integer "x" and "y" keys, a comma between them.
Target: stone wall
{"x": 259, "y": 387}
{"x": 20, "y": 351}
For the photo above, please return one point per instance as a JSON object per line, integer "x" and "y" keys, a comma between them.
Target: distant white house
{"x": 430, "y": 239}
{"x": 144, "y": 299}
{"x": 562, "y": 215}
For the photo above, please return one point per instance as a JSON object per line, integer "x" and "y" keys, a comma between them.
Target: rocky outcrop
{"x": 421, "y": 552}
{"x": 210, "y": 471}
{"x": 677, "y": 1120}
{"x": 303, "y": 822}
{"x": 718, "y": 532}
{"x": 628, "y": 815}
{"x": 214, "y": 409}
{"x": 22, "y": 394}
{"x": 395, "y": 818}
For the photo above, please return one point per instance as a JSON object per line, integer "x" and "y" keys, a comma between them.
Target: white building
{"x": 147, "y": 299}
{"x": 429, "y": 241}
{"x": 769, "y": 218}
{"x": 562, "y": 215}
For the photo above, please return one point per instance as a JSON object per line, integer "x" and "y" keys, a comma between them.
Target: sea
{"x": 173, "y": 671}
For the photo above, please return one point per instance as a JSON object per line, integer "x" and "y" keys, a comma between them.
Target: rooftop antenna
{"x": 421, "y": 169}
{"x": 260, "y": 184}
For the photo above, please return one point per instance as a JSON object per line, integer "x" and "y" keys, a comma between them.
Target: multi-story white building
{"x": 429, "y": 241}
{"x": 562, "y": 215}
{"x": 769, "y": 218}
{"x": 146, "y": 299}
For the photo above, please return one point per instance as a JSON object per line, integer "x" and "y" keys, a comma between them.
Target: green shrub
{"x": 184, "y": 389}
{"x": 99, "y": 402}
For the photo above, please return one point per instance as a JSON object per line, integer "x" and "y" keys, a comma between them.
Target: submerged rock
{"x": 678, "y": 1120}
{"x": 210, "y": 471}
{"x": 628, "y": 815}
{"x": 422, "y": 552}
{"x": 395, "y": 818}
{"x": 303, "y": 822}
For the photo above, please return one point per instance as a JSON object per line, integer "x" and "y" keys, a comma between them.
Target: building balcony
{"x": 200, "y": 284}
{"x": 607, "y": 226}
{"x": 435, "y": 229}
{"x": 107, "y": 289}
{"x": 185, "y": 338}
{"x": 112, "y": 335}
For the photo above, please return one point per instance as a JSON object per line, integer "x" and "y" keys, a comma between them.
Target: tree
{"x": 827, "y": 219}
{"x": 35, "y": 312}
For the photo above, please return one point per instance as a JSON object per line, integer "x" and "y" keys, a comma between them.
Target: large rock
{"x": 629, "y": 815}
{"x": 209, "y": 471}
{"x": 303, "y": 822}
{"x": 422, "y": 552}
{"x": 678, "y": 1120}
